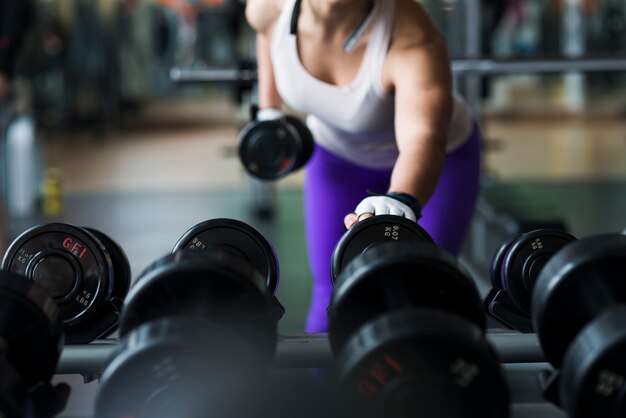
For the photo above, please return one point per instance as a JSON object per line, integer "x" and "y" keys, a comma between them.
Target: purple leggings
{"x": 333, "y": 187}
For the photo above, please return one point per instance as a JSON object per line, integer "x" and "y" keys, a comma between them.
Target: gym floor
{"x": 174, "y": 165}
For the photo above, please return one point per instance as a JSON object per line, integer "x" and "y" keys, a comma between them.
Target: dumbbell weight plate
{"x": 525, "y": 258}
{"x": 121, "y": 266}
{"x": 31, "y": 328}
{"x": 394, "y": 276}
{"x": 593, "y": 378}
{"x": 576, "y": 285}
{"x": 70, "y": 264}
{"x": 305, "y": 139}
{"x": 177, "y": 366}
{"x": 422, "y": 362}
{"x": 237, "y": 238}
{"x": 269, "y": 150}
{"x": 211, "y": 285}
{"x": 371, "y": 232}
{"x": 495, "y": 267}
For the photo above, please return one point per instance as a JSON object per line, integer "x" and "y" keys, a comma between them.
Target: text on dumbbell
{"x": 378, "y": 376}
{"x": 23, "y": 256}
{"x": 83, "y": 298}
{"x": 464, "y": 373}
{"x": 74, "y": 247}
{"x": 392, "y": 232}
{"x": 608, "y": 383}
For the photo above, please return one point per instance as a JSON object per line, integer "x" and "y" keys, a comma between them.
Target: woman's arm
{"x": 417, "y": 70}
{"x": 423, "y": 89}
{"x": 268, "y": 94}
{"x": 262, "y": 15}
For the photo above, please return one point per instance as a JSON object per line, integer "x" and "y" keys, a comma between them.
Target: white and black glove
{"x": 399, "y": 204}
{"x": 269, "y": 113}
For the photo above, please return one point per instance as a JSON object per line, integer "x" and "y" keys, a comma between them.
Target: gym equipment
{"x": 371, "y": 232}
{"x": 514, "y": 270}
{"x": 83, "y": 270}
{"x": 214, "y": 285}
{"x": 579, "y": 312}
{"x": 178, "y": 367}
{"x": 272, "y": 149}
{"x": 407, "y": 326}
{"x": 239, "y": 240}
{"x": 204, "y": 317}
{"x": 31, "y": 335}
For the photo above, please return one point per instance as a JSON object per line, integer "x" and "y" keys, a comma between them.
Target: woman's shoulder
{"x": 263, "y": 14}
{"x": 412, "y": 26}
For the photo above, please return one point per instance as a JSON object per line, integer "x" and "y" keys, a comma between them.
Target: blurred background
{"x": 123, "y": 115}
{"x": 103, "y": 123}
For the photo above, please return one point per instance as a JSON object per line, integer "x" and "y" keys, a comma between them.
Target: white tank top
{"x": 356, "y": 121}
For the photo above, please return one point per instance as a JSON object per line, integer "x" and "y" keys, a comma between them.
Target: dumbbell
{"x": 205, "y": 316}
{"x": 407, "y": 328}
{"x": 82, "y": 269}
{"x": 31, "y": 339}
{"x": 272, "y": 149}
{"x": 371, "y": 232}
{"x": 240, "y": 240}
{"x": 514, "y": 270}
{"x": 579, "y": 313}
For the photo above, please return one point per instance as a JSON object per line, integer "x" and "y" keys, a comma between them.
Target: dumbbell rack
{"x": 520, "y": 354}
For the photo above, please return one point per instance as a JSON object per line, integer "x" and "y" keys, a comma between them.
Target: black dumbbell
{"x": 273, "y": 149}
{"x": 31, "y": 339}
{"x": 407, "y": 326}
{"x": 82, "y": 269}
{"x": 371, "y": 232}
{"x": 579, "y": 313}
{"x": 514, "y": 270}
{"x": 207, "y": 304}
{"x": 240, "y": 240}
{"x": 179, "y": 366}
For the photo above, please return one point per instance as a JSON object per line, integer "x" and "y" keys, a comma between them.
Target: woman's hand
{"x": 390, "y": 204}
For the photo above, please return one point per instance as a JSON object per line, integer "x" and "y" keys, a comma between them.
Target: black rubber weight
{"x": 305, "y": 137}
{"x": 121, "y": 266}
{"x": 396, "y": 276}
{"x": 82, "y": 275}
{"x": 371, "y": 232}
{"x": 524, "y": 259}
{"x": 177, "y": 366}
{"x": 31, "y": 327}
{"x": 594, "y": 368}
{"x": 214, "y": 286}
{"x": 495, "y": 269}
{"x": 269, "y": 150}
{"x": 240, "y": 240}
{"x": 576, "y": 285}
{"x": 422, "y": 360}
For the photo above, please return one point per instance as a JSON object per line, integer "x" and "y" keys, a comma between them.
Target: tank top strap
{"x": 380, "y": 39}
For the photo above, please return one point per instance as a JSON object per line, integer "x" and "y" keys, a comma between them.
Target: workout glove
{"x": 390, "y": 204}
{"x": 269, "y": 113}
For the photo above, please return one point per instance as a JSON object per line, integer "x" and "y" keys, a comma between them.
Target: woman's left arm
{"x": 420, "y": 75}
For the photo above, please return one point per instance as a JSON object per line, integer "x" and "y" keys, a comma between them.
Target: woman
{"x": 374, "y": 78}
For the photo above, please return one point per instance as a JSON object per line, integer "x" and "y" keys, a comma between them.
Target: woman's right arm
{"x": 262, "y": 16}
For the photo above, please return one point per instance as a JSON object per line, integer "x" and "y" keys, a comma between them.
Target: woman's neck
{"x": 337, "y": 18}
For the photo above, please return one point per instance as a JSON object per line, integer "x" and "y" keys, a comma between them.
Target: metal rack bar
{"x": 459, "y": 67}
{"x": 557, "y": 65}
{"x": 212, "y": 75}
{"x": 295, "y": 352}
